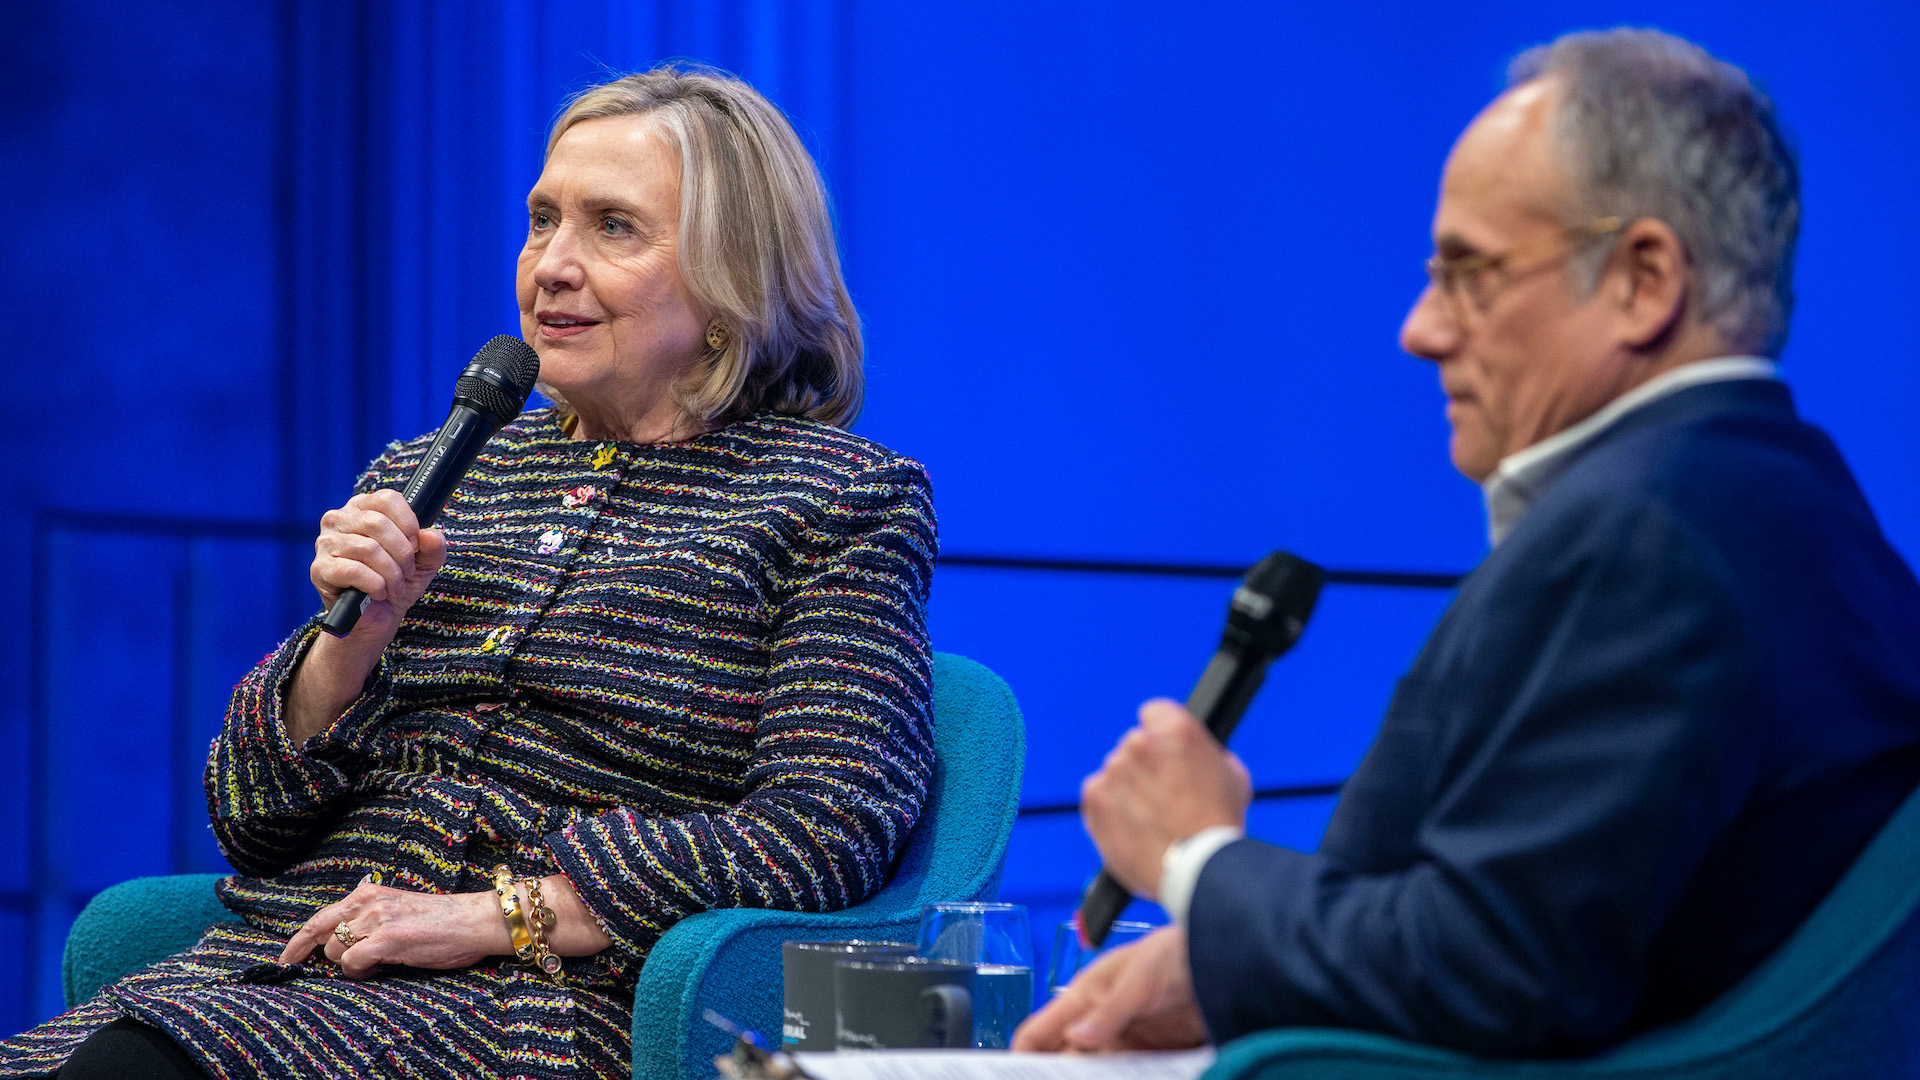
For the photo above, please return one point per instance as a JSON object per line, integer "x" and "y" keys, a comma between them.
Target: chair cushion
{"x": 133, "y": 924}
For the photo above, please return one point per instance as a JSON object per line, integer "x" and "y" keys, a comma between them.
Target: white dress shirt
{"x": 1516, "y": 482}
{"x": 1523, "y": 474}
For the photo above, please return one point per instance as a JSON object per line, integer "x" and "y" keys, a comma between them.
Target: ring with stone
{"x": 345, "y": 935}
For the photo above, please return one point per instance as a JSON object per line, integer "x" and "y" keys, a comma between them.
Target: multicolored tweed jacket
{"x": 686, "y": 675}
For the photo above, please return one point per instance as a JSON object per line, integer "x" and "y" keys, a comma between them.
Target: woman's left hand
{"x": 393, "y": 926}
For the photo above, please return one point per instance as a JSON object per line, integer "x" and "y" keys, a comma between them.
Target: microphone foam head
{"x": 496, "y": 383}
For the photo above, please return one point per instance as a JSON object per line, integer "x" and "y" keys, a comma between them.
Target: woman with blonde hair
{"x": 665, "y": 652}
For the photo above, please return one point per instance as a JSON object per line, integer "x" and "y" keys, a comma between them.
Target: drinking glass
{"x": 1070, "y": 957}
{"x": 994, "y": 938}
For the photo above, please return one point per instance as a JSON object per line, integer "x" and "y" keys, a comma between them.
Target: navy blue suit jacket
{"x": 1651, "y": 732}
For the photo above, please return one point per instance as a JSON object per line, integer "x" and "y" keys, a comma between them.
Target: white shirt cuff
{"x": 1180, "y": 868}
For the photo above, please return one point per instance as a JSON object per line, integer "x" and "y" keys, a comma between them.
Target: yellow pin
{"x": 603, "y": 457}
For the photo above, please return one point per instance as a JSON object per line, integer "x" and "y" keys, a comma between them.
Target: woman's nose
{"x": 558, "y": 268}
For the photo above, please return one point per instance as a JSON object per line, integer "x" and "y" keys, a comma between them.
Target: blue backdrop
{"x": 1132, "y": 274}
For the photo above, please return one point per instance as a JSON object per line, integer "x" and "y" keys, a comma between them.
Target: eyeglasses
{"x": 1466, "y": 275}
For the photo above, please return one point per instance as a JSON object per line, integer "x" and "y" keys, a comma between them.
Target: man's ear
{"x": 1651, "y": 281}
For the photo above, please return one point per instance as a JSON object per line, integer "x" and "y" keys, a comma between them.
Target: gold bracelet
{"x": 542, "y": 920}
{"x": 517, "y": 929}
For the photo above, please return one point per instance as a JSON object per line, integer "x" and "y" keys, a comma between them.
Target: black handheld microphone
{"x": 490, "y": 393}
{"x": 1268, "y": 612}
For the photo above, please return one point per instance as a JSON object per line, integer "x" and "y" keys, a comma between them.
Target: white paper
{"x": 1001, "y": 1065}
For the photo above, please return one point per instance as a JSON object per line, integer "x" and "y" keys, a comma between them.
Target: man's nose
{"x": 1430, "y": 330}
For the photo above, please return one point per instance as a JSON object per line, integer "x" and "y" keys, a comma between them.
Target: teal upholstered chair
{"x": 727, "y": 960}
{"x": 1841, "y": 998}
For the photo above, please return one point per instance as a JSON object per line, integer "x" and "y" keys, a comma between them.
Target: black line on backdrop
{"x": 1297, "y": 791}
{"x": 85, "y": 521}
{"x": 1405, "y": 579}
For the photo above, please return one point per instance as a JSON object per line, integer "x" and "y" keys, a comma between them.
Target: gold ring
{"x": 345, "y": 935}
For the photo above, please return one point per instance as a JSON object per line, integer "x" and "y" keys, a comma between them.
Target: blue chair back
{"x": 138, "y": 922}
{"x": 1841, "y": 998}
{"x": 729, "y": 960}
{"x": 959, "y": 847}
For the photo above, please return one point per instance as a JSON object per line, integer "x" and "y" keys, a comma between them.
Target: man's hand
{"x": 1167, "y": 780}
{"x": 1139, "y": 997}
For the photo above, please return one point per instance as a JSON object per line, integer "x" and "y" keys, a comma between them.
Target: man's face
{"x": 1522, "y": 353}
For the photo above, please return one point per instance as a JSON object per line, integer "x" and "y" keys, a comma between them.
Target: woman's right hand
{"x": 376, "y": 545}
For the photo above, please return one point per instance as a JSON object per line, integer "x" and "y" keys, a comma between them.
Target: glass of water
{"x": 1070, "y": 957}
{"x": 994, "y": 938}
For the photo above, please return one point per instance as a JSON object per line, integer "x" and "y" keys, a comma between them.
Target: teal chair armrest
{"x": 1331, "y": 1054}
{"x": 136, "y": 923}
{"x": 729, "y": 961}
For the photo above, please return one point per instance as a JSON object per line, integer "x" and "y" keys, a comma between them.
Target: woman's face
{"x": 601, "y": 296}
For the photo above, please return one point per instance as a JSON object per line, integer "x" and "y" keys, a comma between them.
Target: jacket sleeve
{"x": 1572, "y": 769}
{"x": 266, "y": 796}
{"x": 843, "y": 749}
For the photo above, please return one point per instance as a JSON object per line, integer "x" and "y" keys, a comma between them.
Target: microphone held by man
{"x": 1265, "y": 618}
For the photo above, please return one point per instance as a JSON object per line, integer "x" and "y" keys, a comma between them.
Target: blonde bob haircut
{"x": 756, "y": 246}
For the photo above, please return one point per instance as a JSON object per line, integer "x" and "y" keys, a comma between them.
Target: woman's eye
{"x": 541, "y": 219}
{"x": 615, "y": 227}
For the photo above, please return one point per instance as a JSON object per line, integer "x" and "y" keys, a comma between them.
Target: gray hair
{"x": 1652, "y": 126}
{"x": 756, "y": 245}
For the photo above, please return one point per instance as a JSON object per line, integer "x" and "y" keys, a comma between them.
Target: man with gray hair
{"x": 1666, "y": 712}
